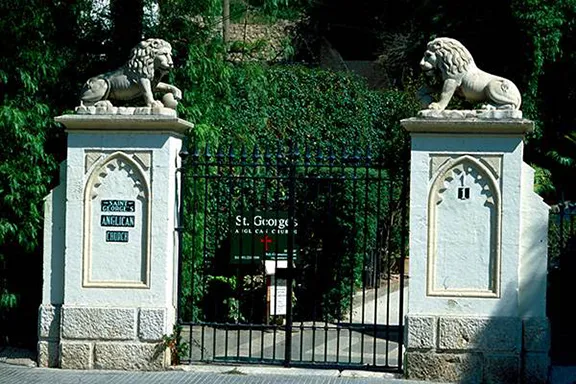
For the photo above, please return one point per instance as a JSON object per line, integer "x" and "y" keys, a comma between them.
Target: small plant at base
{"x": 178, "y": 349}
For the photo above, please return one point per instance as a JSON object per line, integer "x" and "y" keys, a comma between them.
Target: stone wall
{"x": 272, "y": 35}
{"x": 102, "y": 338}
{"x": 477, "y": 349}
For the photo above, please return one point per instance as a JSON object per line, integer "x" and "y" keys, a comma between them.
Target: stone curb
{"x": 259, "y": 370}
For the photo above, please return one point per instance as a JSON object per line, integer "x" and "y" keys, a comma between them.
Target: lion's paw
{"x": 435, "y": 106}
{"x": 104, "y": 104}
{"x": 169, "y": 101}
{"x": 156, "y": 104}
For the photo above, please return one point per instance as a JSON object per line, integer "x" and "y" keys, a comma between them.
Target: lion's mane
{"x": 453, "y": 59}
{"x": 142, "y": 57}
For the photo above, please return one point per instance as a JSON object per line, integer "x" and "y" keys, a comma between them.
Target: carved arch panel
{"x": 116, "y": 251}
{"x": 464, "y": 230}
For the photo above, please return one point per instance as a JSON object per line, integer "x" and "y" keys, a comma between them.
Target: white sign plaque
{"x": 277, "y": 292}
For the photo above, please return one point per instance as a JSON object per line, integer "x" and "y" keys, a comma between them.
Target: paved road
{"x": 383, "y": 310}
{"x": 359, "y": 340}
{"x": 10, "y": 374}
{"x": 14, "y": 374}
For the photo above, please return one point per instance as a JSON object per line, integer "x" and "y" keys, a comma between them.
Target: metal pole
{"x": 289, "y": 281}
{"x": 180, "y": 225}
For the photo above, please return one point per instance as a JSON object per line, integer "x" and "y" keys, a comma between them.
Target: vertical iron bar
{"x": 389, "y": 265}
{"x": 364, "y": 245}
{"x": 353, "y": 247}
{"x": 266, "y": 164}
{"x": 339, "y": 276}
{"x": 318, "y": 162}
{"x": 377, "y": 259}
{"x": 218, "y": 181}
{"x": 367, "y": 214}
{"x": 207, "y": 158}
{"x": 239, "y": 278}
{"x": 195, "y": 317}
{"x": 331, "y": 159}
{"x": 291, "y": 215}
{"x": 403, "y": 237}
{"x": 252, "y": 181}
{"x": 274, "y": 279}
{"x": 179, "y": 225}
{"x": 179, "y": 230}
{"x": 230, "y": 169}
{"x": 304, "y": 207}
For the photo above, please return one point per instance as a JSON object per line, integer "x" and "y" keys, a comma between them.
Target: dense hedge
{"x": 255, "y": 104}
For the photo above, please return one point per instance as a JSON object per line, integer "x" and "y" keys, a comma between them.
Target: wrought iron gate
{"x": 293, "y": 257}
{"x": 561, "y": 272}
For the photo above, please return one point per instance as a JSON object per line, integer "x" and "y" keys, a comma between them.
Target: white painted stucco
{"x": 464, "y": 229}
{"x": 164, "y": 148}
{"x": 96, "y": 290}
{"x": 510, "y": 149}
{"x": 53, "y": 252}
{"x": 482, "y": 256}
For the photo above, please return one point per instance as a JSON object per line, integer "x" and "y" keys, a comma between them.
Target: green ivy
{"x": 543, "y": 21}
{"x": 250, "y": 104}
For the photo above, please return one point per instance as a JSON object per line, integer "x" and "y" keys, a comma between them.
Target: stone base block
{"x": 460, "y": 368}
{"x": 114, "y": 324}
{"x": 111, "y": 338}
{"x": 48, "y": 354}
{"x": 131, "y": 356}
{"x": 49, "y": 321}
{"x": 99, "y": 323}
{"x": 420, "y": 332}
{"x": 151, "y": 324}
{"x": 536, "y": 368}
{"x": 501, "y": 368}
{"x": 502, "y": 334}
{"x": 536, "y": 334}
{"x": 477, "y": 349}
{"x": 76, "y": 355}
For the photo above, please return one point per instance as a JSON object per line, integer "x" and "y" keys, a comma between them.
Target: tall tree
{"x": 127, "y": 28}
{"x": 38, "y": 40}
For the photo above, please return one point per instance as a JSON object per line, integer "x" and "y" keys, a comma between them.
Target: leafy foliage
{"x": 247, "y": 104}
{"x": 31, "y": 67}
{"x": 47, "y": 53}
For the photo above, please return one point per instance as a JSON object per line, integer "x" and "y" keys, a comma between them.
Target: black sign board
{"x": 116, "y": 221}
{"x": 116, "y": 236}
{"x": 258, "y": 236}
{"x": 117, "y": 206}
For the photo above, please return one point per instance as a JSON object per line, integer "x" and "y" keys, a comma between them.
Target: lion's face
{"x": 163, "y": 59}
{"x": 446, "y": 56}
{"x": 151, "y": 57}
{"x": 429, "y": 62}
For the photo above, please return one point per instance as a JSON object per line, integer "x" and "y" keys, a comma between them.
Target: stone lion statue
{"x": 140, "y": 77}
{"x": 449, "y": 59}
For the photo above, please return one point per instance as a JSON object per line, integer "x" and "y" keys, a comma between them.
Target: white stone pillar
{"x": 478, "y": 254}
{"x": 110, "y": 262}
